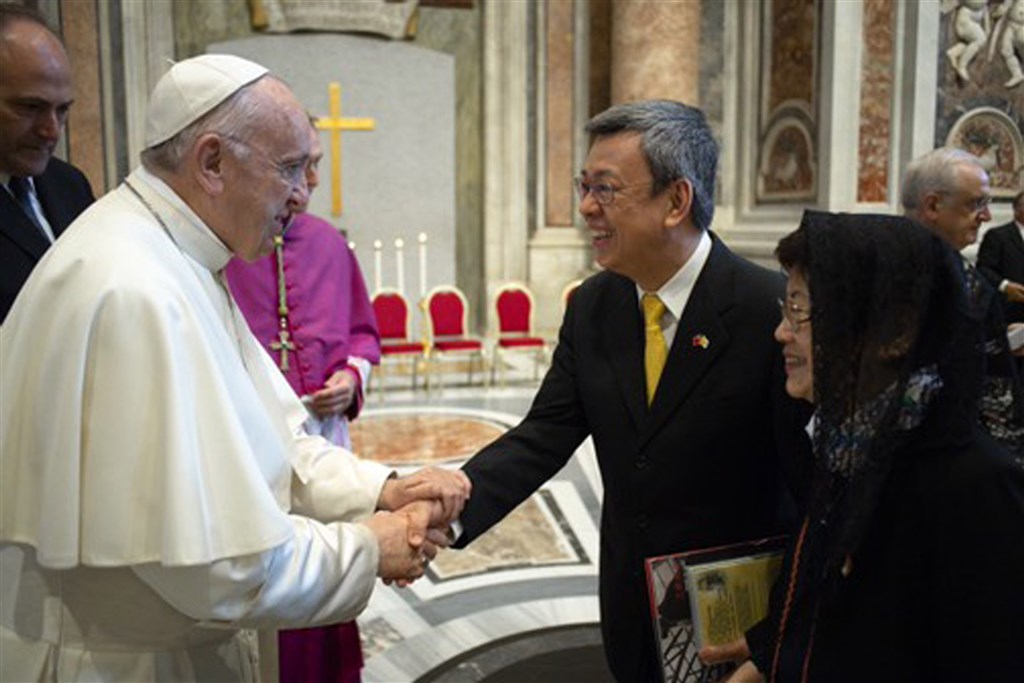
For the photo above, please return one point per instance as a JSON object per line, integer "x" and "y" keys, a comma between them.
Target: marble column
{"x": 655, "y": 50}
{"x": 506, "y": 213}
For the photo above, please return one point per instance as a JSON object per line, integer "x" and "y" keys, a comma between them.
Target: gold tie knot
{"x": 655, "y": 350}
{"x": 654, "y": 308}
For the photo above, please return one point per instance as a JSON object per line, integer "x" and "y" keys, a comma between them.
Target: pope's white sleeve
{"x": 324, "y": 574}
{"x": 332, "y": 484}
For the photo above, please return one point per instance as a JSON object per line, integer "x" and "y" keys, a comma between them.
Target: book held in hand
{"x": 708, "y": 596}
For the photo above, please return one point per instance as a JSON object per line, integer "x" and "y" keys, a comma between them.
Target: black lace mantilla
{"x": 894, "y": 356}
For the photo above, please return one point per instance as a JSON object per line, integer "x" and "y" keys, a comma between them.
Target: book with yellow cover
{"x": 729, "y": 596}
{"x": 711, "y": 595}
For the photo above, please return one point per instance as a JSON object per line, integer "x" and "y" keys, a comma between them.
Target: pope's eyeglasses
{"x": 292, "y": 171}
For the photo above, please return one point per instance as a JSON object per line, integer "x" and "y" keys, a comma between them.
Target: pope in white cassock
{"x": 158, "y": 491}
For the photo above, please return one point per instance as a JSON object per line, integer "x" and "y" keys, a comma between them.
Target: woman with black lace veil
{"x": 909, "y": 563}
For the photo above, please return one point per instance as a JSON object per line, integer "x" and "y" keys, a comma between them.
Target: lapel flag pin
{"x": 701, "y": 341}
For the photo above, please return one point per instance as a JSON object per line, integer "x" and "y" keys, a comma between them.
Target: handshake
{"x": 414, "y": 522}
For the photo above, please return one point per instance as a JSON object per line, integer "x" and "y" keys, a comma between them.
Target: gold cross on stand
{"x": 335, "y": 124}
{"x": 284, "y": 346}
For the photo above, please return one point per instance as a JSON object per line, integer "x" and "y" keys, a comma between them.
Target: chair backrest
{"x": 568, "y": 291}
{"x": 514, "y": 305}
{"x": 446, "y": 311}
{"x": 392, "y": 313}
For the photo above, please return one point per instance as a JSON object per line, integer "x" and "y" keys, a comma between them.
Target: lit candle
{"x": 399, "y": 243}
{"x": 423, "y": 264}
{"x": 377, "y": 264}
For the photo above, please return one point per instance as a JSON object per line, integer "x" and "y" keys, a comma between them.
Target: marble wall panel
{"x": 559, "y": 122}
{"x": 79, "y": 26}
{"x": 655, "y": 50}
{"x": 876, "y": 101}
{"x": 712, "y": 64}
{"x": 791, "y": 52}
{"x": 600, "y": 66}
{"x": 787, "y": 132}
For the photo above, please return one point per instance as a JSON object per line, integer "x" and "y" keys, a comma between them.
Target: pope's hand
{"x": 399, "y": 560}
{"x": 426, "y": 516}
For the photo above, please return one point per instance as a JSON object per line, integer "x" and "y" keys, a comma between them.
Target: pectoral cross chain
{"x": 284, "y": 345}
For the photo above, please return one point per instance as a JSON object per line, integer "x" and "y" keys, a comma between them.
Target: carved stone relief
{"x": 976, "y": 24}
{"x": 981, "y": 84}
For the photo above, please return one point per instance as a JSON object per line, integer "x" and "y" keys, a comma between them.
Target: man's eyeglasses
{"x": 292, "y": 172}
{"x": 979, "y": 204}
{"x": 603, "y": 193}
{"x": 794, "y": 315}
{"x": 973, "y": 204}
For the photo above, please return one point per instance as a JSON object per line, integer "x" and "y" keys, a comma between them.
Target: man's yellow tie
{"x": 655, "y": 351}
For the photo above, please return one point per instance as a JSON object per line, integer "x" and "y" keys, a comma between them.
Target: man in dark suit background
{"x": 1001, "y": 259}
{"x": 948, "y": 191}
{"x": 690, "y": 457}
{"x": 41, "y": 195}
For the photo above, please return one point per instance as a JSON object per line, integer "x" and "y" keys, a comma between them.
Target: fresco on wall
{"x": 993, "y": 137}
{"x": 787, "y": 169}
{"x": 981, "y": 85}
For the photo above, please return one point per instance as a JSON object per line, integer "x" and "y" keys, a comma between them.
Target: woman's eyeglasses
{"x": 794, "y": 315}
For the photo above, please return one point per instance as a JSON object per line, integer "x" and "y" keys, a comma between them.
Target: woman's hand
{"x": 736, "y": 651}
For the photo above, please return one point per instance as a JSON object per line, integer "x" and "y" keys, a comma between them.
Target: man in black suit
{"x": 948, "y": 191}
{"x": 1001, "y": 259}
{"x": 690, "y": 454}
{"x": 41, "y": 195}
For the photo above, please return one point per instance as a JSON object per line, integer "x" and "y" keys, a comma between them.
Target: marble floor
{"x": 526, "y": 590}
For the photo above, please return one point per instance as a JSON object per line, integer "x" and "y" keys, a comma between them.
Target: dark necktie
{"x": 973, "y": 280}
{"x": 20, "y": 189}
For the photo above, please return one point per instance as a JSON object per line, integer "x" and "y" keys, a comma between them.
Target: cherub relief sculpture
{"x": 971, "y": 25}
{"x": 1008, "y": 37}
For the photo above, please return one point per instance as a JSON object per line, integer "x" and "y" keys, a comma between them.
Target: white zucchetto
{"x": 192, "y": 88}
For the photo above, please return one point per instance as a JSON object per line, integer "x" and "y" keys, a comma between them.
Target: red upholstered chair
{"x": 567, "y": 293}
{"x": 513, "y": 303}
{"x": 392, "y": 313}
{"x": 445, "y": 311}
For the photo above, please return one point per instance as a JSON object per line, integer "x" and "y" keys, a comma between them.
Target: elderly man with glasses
{"x": 160, "y": 494}
{"x": 947, "y": 190}
{"x": 667, "y": 360}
